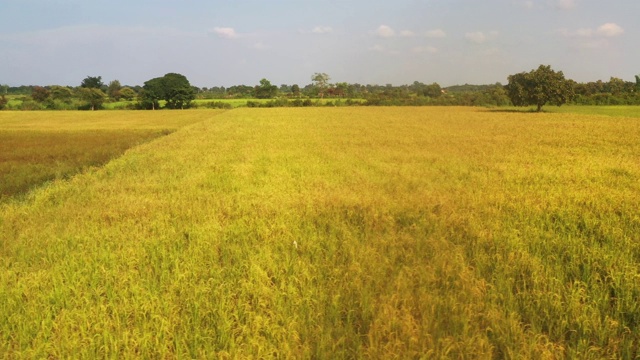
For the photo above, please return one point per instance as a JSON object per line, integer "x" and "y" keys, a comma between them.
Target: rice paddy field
{"x": 329, "y": 233}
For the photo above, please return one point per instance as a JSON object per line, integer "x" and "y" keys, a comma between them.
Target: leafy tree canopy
{"x": 174, "y": 88}
{"x": 92, "y": 82}
{"x": 93, "y": 96}
{"x": 40, "y": 94}
{"x": 320, "y": 81}
{"x": 265, "y": 90}
{"x": 177, "y": 91}
{"x": 539, "y": 87}
{"x": 113, "y": 90}
{"x": 127, "y": 93}
{"x": 61, "y": 93}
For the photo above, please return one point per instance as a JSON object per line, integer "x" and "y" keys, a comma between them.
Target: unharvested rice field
{"x": 37, "y": 147}
{"x": 331, "y": 233}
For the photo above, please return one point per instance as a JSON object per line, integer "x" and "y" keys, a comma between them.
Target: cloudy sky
{"x": 232, "y": 42}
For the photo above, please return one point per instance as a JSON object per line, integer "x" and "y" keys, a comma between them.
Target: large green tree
{"x": 320, "y": 82}
{"x": 40, "y": 94}
{"x": 265, "y": 90}
{"x": 61, "y": 93}
{"x": 93, "y": 96}
{"x": 92, "y": 82}
{"x": 113, "y": 90}
{"x": 295, "y": 90}
{"x": 177, "y": 91}
{"x": 174, "y": 88}
{"x": 151, "y": 94}
{"x": 127, "y": 93}
{"x": 539, "y": 87}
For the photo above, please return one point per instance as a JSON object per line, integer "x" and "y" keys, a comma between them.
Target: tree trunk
{"x": 539, "y": 108}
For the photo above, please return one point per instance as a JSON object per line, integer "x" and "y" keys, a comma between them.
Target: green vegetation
{"x": 174, "y": 91}
{"x": 173, "y": 88}
{"x": 539, "y": 87}
{"x": 332, "y": 233}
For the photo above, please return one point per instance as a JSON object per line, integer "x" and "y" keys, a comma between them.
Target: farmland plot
{"x": 336, "y": 233}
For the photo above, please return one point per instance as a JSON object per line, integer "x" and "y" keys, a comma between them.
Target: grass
{"x": 336, "y": 233}
{"x": 616, "y": 111}
{"x": 38, "y": 147}
{"x": 30, "y": 158}
{"x": 14, "y": 102}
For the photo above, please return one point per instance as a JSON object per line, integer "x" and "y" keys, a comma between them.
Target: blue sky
{"x": 225, "y": 43}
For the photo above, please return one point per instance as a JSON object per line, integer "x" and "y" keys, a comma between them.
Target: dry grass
{"x": 37, "y": 147}
{"x": 336, "y": 233}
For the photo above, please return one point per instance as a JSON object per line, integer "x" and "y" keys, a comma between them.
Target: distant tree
{"x": 265, "y": 90}
{"x": 341, "y": 89}
{"x": 320, "y": 81}
{"x": 151, "y": 94}
{"x": 174, "y": 88}
{"x": 3, "y": 101}
{"x": 295, "y": 90}
{"x": 40, "y": 94}
{"x": 4, "y": 89}
{"x": 242, "y": 91}
{"x": 539, "y": 87}
{"x": 177, "y": 91}
{"x": 127, "y": 93}
{"x": 497, "y": 94}
{"x": 61, "y": 93}
{"x": 616, "y": 86}
{"x": 637, "y": 83}
{"x": 113, "y": 90}
{"x": 285, "y": 89}
{"x": 433, "y": 91}
{"x": 93, "y": 96}
{"x": 92, "y": 82}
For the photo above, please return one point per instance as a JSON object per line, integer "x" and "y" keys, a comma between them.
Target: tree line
{"x": 537, "y": 87}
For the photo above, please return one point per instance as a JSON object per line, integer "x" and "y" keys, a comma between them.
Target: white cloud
{"x": 407, "y": 33}
{"x": 480, "y": 37}
{"x": 436, "y": 34}
{"x": 594, "y": 39}
{"x": 425, "y": 49}
{"x": 260, "y": 46}
{"x": 385, "y": 31}
{"x": 565, "y": 4}
{"x": 584, "y": 32}
{"x": 322, "y": 30}
{"x": 610, "y": 30}
{"x": 377, "y": 47}
{"x": 477, "y": 37}
{"x": 605, "y": 30}
{"x": 225, "y": 32}
{"x": 528, "y": 4}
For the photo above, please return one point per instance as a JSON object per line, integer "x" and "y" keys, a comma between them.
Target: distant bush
{"x": 216, "y": 105}
{"x": 85, "y": 107}
{"x": 32, "y": 105}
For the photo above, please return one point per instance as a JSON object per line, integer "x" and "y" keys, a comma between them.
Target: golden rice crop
{"x": 36, "y": 147}
{"x": 336, "y": 233}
